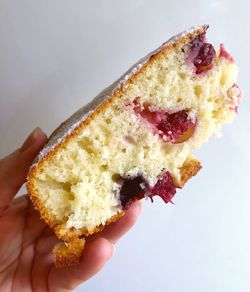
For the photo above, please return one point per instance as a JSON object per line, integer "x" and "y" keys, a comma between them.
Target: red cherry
{"x": 175, "y": 128}
{"x": 201, "y": 54}
{"x": 164, "y": 188}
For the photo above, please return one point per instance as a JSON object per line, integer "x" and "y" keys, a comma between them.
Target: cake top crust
{"x": 67, "y": 127}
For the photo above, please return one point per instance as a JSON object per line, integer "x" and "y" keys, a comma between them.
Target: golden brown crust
{"x": 59, "y": 228}
{"x": 189, "y": 168}
{"x": 71, "y": 234}
{"x": 68, "y": 254}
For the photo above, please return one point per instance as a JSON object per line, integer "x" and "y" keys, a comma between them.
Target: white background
{"x": 55, "y": 55}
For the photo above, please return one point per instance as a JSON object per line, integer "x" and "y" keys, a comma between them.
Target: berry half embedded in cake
{"x": 174, "y": 127}
{"x": 134, "y": 140}
{"x": 201, "y": 54}
{"x": 136, "y": 188}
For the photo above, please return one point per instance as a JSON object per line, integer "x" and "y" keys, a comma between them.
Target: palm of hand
{"x": 26, "y": 260}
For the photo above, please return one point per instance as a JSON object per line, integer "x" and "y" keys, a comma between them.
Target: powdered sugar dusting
{"x": 61, "y": 133}
{"x": 82, "y": 114}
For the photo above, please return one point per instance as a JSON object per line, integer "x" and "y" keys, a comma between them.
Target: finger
{"x": 32, "y": 138}
{"x": 94, "y": 257}
{"x": 115, "y": 230}
{"x": 14, "y": 167}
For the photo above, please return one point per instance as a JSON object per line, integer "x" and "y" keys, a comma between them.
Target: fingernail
{"x": 31, "y": 138}
{"x": 114, "y": 250}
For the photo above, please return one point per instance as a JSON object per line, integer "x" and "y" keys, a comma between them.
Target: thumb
{"x": 14, "y": 167}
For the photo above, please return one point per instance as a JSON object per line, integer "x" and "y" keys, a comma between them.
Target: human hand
{"x": 26, "y": 260}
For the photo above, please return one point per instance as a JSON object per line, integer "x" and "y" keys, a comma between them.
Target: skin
{"x": 26, "y": 260}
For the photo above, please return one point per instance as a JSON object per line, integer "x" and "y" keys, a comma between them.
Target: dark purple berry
{"x": 137, "y": 188}
{"x": 132, "y": 188}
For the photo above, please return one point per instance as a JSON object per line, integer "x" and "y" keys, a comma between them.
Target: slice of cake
{"x": 134, "y": 140}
